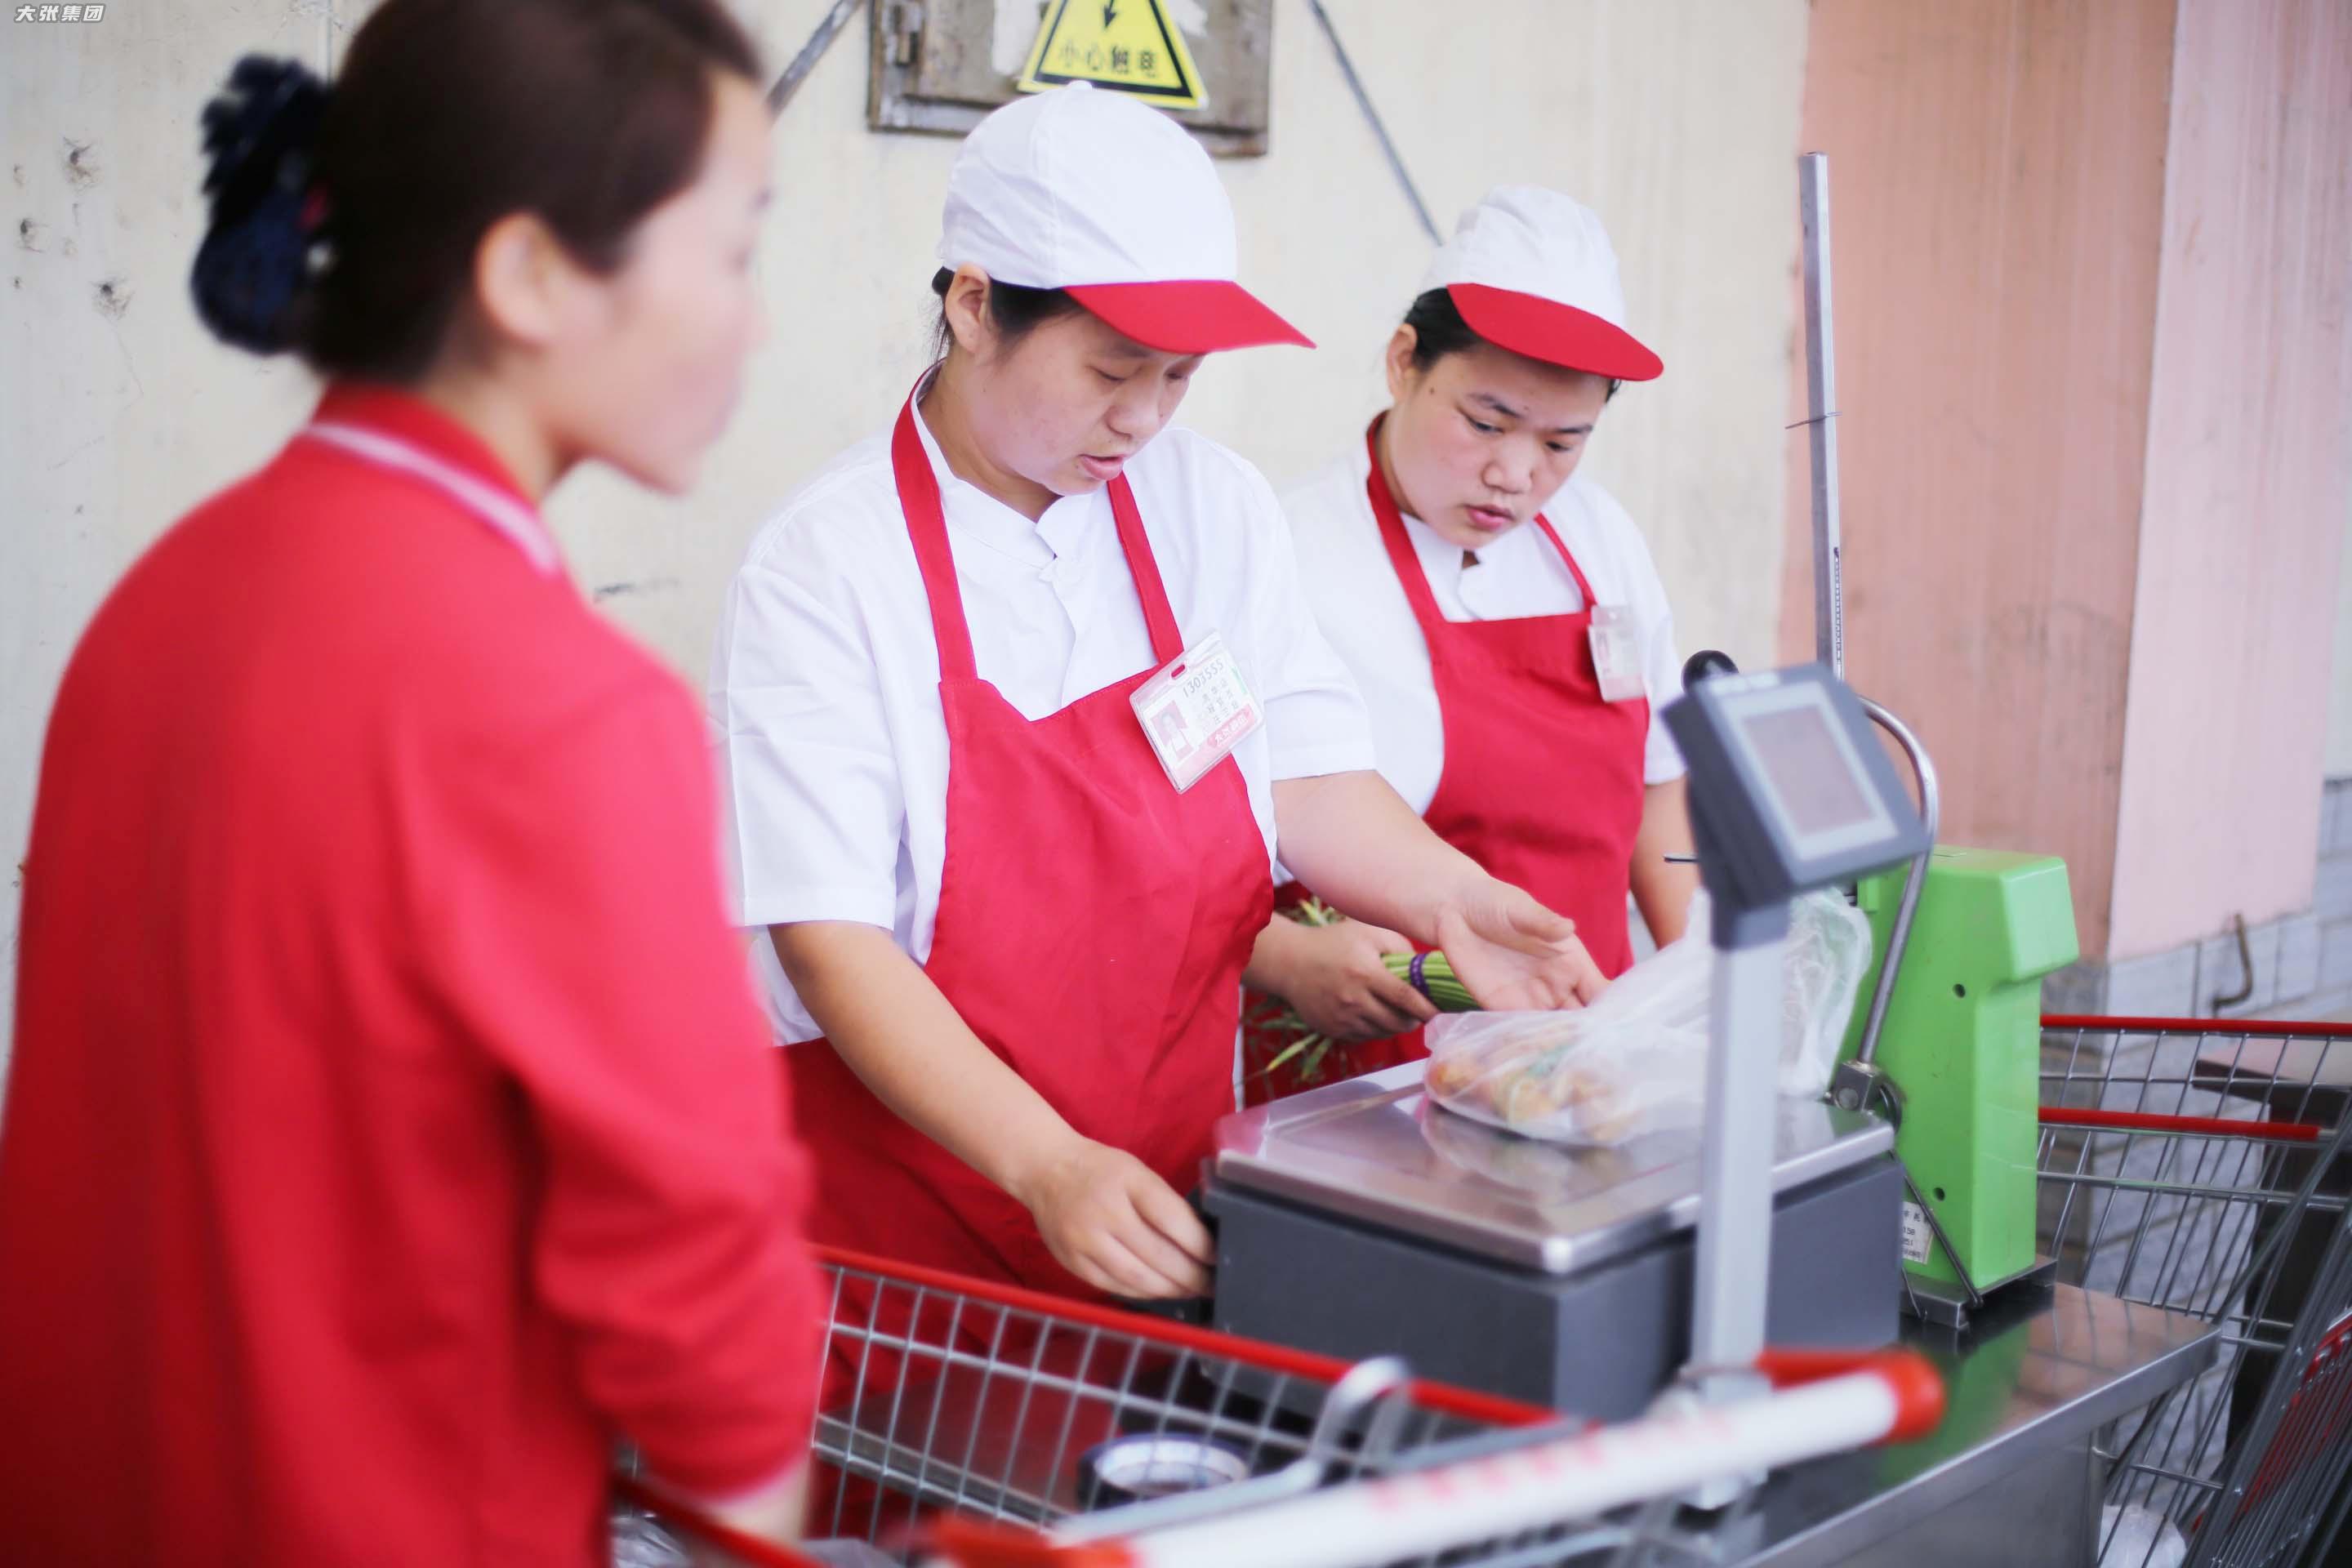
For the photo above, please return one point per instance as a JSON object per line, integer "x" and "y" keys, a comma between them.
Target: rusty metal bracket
{"x": 2246, "y": 968}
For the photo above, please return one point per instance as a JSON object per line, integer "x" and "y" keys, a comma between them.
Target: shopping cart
{"x": 2201, "y": 1167}
{"x": 1007, "y": 1426}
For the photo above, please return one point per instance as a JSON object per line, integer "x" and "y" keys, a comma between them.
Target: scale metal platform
{"x": 1362, "y": 1219}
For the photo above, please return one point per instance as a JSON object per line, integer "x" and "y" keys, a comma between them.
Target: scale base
{"x": 1946, "y": 1306}
{"x": 1601, "y": 1341}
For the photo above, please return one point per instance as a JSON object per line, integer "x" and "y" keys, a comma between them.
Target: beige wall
{"x": 1676, "y": 117}
{"x": 1997, "y": 171}
{"x": 2249, "y": 465}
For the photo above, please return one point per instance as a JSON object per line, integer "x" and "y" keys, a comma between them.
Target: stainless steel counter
{"x": 2009, "y": 1478}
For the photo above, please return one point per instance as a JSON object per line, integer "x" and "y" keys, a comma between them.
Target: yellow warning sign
{"x": 1127, "y": 45}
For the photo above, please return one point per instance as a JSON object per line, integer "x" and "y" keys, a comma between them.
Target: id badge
{"x": 1196, "y": 711}
{"x": 1616, "y": 657}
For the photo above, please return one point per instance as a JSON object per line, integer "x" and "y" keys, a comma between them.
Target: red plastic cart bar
{"x": 2184, "y": 1126}
{"x": 1823, "y": 1403}
{"x": 2256, "y": 1028}
{"x": 2189, "y": 1126}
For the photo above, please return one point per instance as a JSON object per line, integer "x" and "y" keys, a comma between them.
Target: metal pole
{"x": 1820, "y": 382}
{"x": 1372, "y": 118}
{"x": 1898, "y": 940}
{"x": 1735, "y": 1227}
{"x": 828, "y": 27}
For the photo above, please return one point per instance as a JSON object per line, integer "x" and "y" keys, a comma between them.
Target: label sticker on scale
{"x": 1196, "y": 711}
{"x": 1917, "y": 1238}
{"x": 1616, "y": 657}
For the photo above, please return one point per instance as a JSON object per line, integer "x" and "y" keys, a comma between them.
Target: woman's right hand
{"x": 1111, "y": 1221}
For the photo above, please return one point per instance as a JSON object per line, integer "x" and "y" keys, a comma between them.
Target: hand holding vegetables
{"x": 1335, "y": 979}
{"x": 1275, "y": 1034}
{"x": 1512, "y": 953}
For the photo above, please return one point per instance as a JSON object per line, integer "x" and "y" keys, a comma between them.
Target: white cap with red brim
{"x": 1533, "y": 272}
{"x": 1091, "y": 192}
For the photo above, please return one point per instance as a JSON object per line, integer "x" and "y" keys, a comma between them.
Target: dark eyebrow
{"x": 1489, "y": 400}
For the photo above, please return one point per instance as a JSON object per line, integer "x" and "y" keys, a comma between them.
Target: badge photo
{"x": 1616, "y": 655}
{"x": 1196, "y": 711}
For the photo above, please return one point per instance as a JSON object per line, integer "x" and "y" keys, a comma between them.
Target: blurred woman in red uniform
{"x": 389, "y": 1128}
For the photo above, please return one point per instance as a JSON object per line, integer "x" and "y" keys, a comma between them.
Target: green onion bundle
{"x": 1431, "y": 974}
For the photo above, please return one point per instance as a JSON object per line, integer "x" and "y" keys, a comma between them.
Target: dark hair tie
{"x": 267, "y": 214}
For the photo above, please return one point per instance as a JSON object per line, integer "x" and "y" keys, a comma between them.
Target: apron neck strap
{"x": 1574, "y": 570}
{"x": 1166, "y": 640}
{"x": 926, "y": 526}
{"x": 1402, "y": 555}
{"x": 1409, "y": 577}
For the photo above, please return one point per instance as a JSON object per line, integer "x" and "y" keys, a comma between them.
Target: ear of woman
{"x": 523, "y": 281}
{"x": 965, "y": 308}
{"x": 1400, "y": 362}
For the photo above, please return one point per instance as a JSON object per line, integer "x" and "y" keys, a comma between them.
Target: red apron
{"x": 1542, "y": 780}
{"x": 1092, "y": 929}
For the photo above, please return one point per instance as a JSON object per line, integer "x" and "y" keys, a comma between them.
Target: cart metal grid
{"x": 2201, "y": 1167}
{"x": 972, "y": 1423}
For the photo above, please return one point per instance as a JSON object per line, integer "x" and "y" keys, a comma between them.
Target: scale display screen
{"x": 1812, "y": 775}
{"x": 1796, "y": 791}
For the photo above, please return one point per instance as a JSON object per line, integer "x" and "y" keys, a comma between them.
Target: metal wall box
{"x": 932, "y": 68}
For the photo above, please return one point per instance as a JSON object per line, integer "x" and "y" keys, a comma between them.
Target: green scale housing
{"x": 1962, "y": 1041}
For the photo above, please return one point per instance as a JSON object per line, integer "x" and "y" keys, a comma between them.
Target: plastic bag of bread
{"x": 1636, "y": 1061}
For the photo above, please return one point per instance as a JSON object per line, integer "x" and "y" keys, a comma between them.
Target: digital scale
{"x": 1362, "y": 1218}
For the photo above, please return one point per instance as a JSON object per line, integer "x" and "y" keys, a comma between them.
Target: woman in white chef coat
{"x": 1499, "y": 612}
{"x": 1009, "y": 876}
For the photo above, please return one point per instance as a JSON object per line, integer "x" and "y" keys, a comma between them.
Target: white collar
{"x": 1067, "y": 522}
{"x": 505, "y": 514}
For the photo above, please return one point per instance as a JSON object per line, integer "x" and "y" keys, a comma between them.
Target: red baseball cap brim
{"x": 1195, "y": 316}
{"x": 1553, "y": 332}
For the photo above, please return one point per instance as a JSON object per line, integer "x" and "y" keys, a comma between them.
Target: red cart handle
{"x": 1917, "y": 1386}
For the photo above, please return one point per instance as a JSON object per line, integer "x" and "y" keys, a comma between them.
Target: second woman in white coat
{"x": 1499, "y": 612}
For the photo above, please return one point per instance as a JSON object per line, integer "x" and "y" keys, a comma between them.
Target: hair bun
{"x": 261, "y": 140}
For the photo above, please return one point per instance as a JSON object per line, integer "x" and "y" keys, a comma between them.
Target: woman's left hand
{"x": 1512, "y": 953}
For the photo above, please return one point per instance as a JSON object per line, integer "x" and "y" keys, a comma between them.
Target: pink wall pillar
{"x": 2249, "y": 468}
{"x": 1996, "y": 181}
{"x": 2075, "y": 241}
